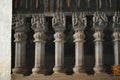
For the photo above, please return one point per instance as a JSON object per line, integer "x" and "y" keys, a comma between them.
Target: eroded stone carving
{"x": 58, "y": 22}
{"x": 59, "y": 36}
{"x": 39, "y": 36}
{"x": 20, "y": 36}
{"x": 116, "y": 21}
{"x": 38, "y": 23}
{"x": 79, "y": 36}
{"x": 100, "y": 21}
{"x": 98, "y": 36}
{"x": 79, "y": 21}
{"x": 19, "y": 23}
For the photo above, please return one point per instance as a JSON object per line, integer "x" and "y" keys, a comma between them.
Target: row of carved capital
{"x": 79, "y": 20}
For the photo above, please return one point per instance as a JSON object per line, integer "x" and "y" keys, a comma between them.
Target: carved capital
{"x": 59, "y": 37}
{"x": 58, "y": 22}
{"x": 38, "y": 23}
{"x": 20, "y": 37}
{"x": 98, "y": 36}
{"x": 39, "y": 37}
{"x": 116, "y": 36}
{"x": 100, "y": 21}
{"x": 116, "y": 21}
{"x": 19, "y": 23}
{"x": 79, "y": 36}
{"x": 79, "y": 21}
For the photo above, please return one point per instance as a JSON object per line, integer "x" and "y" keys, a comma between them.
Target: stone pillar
{"x": 58, "y": 22}
{"x": 116, "y": 40}
{"x": 99, "y": 24}
{"x": 38, "y": 25}
{"x": 79, "y": 24}
{"x": 98, "y": 35}
{"x": 20, "y": 27}
{"x": 116, "y": 35}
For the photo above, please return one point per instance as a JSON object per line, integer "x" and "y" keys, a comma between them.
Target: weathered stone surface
{"x": 39, "y": 27}
{"x": 65, "y": 77}
{"x": 100, "y": 22}
{"x": 58, "y": 23}
{"x": 5, "y": 39}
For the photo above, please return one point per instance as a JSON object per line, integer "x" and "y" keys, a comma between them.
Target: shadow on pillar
{"x": 69, "y": 48}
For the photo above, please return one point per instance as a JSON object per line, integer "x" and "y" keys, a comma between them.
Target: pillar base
{"x": 99, "y": 69}
{"x": 19, "y": 71}
{"x": 59, "y": 70}
{"x": 79, "y": 70}
{"x": 39, "y": 70}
